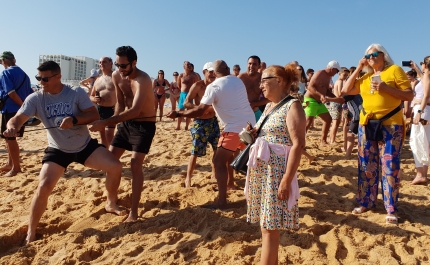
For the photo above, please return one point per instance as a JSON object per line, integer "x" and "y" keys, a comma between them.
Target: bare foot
{"x": 30, "y": 238}
{"x": 115, "y": 209}
{"x": 324, "y": 143}
{"x": 5, "y": 168}
{"x": 131, "y": 218}
{"x": 231, "y": 187}
{"x": 177, "y": 128}
{"x": 12, "y": 173}
{"x": 215, "y": 206}
{"x": 419, "y": 181}
{"x": 186, "y": 129}
{"x": 187, "y": 182}
{"x": 311, "y": 159}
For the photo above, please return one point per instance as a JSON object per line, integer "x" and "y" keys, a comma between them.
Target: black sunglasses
{"x": 44, "y": 79}
{"x": 373, "y": 54}
{"x": 122, "y": 65}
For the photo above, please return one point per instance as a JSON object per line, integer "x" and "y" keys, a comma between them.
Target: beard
{"x": 129, "y": 72}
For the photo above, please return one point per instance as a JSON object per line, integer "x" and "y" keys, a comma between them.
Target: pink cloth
{"x": 261, "y": 149}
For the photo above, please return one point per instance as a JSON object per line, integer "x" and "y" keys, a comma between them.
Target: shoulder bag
{"x": 240, "y": 162}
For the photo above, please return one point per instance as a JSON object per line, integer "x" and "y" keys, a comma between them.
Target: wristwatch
{"x": 420, "y": 111}
{"x": 75, "y": 121}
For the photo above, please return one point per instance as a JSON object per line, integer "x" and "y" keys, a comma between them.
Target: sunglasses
{"x": 161, "y": 73}
{"x": 373, "y": 54}
{"x": 264, "y": 79}
{"x": 122, "y": 65}
{"x": 44, "y": 79}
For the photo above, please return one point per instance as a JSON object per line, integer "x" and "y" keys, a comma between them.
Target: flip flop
{"x": 391, "y": 219}
{"x": 359, "y": 210}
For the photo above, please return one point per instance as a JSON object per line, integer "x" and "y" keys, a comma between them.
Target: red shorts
{"x": 230, "y": 141}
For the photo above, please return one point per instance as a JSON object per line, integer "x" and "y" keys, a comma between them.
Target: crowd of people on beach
{"x": 269, "y": 108}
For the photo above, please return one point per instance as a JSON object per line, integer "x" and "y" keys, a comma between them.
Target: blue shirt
{"x": 10, "y": 79}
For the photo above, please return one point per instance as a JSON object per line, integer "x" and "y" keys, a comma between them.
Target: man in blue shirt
{"x": 14, "y": 88}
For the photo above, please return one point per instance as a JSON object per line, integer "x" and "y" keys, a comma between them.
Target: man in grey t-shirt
{"x": 65, "y": 111}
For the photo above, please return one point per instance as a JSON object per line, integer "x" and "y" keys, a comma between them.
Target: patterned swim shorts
{"x": 204, "y": 132}
{"x": 335, "y": 110}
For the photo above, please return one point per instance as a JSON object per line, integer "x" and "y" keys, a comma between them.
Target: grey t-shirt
{"x": 51, "y": 109}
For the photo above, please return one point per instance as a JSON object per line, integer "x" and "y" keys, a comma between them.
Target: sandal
{"x": 391, "y": 219}
{"x": 359, "y": 210}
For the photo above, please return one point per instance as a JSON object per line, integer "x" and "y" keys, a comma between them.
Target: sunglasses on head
{"x": 122, "y": 65}
{"x": 44, "y": 79}
{"x": 373, "y": 54}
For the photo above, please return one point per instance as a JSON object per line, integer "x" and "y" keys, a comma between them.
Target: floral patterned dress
{"x": 263, "y": 203}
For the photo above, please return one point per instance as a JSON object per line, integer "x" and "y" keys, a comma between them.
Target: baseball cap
{"x": 94, "y": 72}
{"x": 334, "y": 64}
{"x": 7, "y": 55}
{"x": 208, "y": 66}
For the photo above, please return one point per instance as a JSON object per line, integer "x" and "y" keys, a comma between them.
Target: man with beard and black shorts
{"x": 103, "y": 95}
{"x": 135, "y": 114}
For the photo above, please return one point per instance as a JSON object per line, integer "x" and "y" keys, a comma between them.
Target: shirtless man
{"x": 174, "y": 91}
{"x": 317, "y": 94}
{"x": 103, "y": 95}
{"x": 252, "y": 79}
{"x": 236, "y": 70}
{"x": 135, "y": 114}
{"x": 205, "y": 128}
{"x": 185, "y": 81}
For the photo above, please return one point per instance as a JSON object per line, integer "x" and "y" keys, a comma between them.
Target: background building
{"x": 73, "y": 69}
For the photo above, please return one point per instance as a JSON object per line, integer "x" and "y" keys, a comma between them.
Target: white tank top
{"x": 419, "y": 92}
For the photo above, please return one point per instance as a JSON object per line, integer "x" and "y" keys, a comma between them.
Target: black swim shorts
{"x": 65, "y": 159}
{"x": 5, "y": 117}
{"x": 105, "y": 112}
{"x": 134, "y": 136}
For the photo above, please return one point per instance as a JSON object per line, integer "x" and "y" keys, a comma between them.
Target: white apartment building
{"x": 73, "y": 69}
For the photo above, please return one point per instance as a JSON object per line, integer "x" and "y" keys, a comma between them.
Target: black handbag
{"x": 373, "y": 128}
{"x": 240, "y": 162}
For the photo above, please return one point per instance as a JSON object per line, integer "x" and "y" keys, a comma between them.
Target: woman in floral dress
{"x": 272, "y": 189}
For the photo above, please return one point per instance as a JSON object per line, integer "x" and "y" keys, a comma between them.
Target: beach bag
{"x": 240, "y": 162}
{"x": 373, "y": 128}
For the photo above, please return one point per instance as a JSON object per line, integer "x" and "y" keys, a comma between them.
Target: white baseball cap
{"x": 208, "y": 66}
{"x": 334, "y": 64}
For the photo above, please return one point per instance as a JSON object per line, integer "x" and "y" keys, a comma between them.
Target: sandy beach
{"x": 173, "y": 228}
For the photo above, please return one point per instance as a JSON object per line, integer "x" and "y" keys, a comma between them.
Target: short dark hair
{"x": 175, "y": 73}
{"x": 49, "y": 66}
{"x": 127, "y": 51}
{"x": 310, "y": 70}
{"x": 255, "y": 57}
{"x": 236, "y": 66}
{"x": 412, "y": 73}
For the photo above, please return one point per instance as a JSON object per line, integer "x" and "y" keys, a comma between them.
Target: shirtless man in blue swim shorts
{"x": 205, "y": 129}
{"x": 317, "y": 94}
{"x": 185, "y": 81}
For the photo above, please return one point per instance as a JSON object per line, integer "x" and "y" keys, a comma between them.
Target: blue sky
{"x": 166, "y": 33}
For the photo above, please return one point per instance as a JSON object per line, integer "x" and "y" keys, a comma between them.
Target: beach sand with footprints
{"x": 173, "y": 228}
